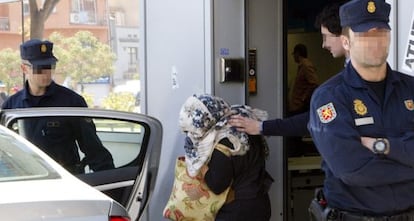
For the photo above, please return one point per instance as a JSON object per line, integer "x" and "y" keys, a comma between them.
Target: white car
{"x": 35, "y": 187}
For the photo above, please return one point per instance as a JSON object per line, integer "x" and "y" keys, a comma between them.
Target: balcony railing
{"x": 87, "y": 18}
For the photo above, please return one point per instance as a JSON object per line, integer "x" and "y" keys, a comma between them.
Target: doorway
{"x": 303, "y": 160}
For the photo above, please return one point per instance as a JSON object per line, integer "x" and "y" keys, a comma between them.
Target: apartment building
{"x": 112, "y": 22}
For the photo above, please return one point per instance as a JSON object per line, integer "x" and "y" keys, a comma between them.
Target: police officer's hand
{"x": 368, "y": 142}
{"x": 244, "y": 124}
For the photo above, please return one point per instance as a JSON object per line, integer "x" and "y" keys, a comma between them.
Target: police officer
{"x": 57, "y": 136}
{"x": 361, "y": 121}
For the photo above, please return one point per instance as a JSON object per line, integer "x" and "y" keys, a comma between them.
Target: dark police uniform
{"x": 295, "y": 125}
{"x": 59, "y": 136}
{"x": 359, "y": 184}
{"x": 342, "y": 111}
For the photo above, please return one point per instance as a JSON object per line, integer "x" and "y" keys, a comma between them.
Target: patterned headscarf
{"x": 204, "y": 119}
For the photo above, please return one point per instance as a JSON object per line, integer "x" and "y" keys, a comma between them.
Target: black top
{"x": 248, "y": 178}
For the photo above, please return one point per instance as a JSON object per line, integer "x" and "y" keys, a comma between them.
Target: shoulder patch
{"x": 327, "y": 113}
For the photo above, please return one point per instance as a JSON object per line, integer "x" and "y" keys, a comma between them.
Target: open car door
{"x": 134, "y": 141}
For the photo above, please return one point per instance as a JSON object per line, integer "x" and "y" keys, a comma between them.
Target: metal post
{"x": 22, "y": 5}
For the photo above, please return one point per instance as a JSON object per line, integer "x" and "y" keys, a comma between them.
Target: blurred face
{"x": 332, "y": 43}
{"x": 38, "y": 76}
{"x": 369, "y": 49}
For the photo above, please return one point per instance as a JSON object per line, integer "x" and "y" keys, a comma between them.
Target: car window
{"x": 18, "y": 162}
{"x": 83, "y": 144}
{"x": 123, "y": 139}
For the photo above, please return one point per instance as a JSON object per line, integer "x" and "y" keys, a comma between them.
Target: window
{"x": 122, "y": 139}
{"x": 17, "y": 162}
{"x": 133, "y": 59}
{"x": 26, "y": 8}
{"x": 85, "y": 10}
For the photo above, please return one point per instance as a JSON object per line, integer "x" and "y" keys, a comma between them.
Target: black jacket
{"x": 60, "y": 137}
{"x": 248, "y": 178}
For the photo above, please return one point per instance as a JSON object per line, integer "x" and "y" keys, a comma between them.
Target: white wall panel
{"x": 177, "y": 40}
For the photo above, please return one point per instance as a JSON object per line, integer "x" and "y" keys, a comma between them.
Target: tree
{"x": 38, "y": 16}
{"x": 122, "y": 101}
{"x": 82, "y": 57}
{"x": 10, "y": 73}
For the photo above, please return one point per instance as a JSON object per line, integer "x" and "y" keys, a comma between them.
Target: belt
{"x": 404, "y": 216}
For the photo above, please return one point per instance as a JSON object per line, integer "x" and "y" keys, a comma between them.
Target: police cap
{"x": 363, "y": 15}
{"x": 38, "y": 52}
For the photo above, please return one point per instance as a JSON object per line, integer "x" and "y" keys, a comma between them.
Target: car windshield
{"x": 19, "y": 162}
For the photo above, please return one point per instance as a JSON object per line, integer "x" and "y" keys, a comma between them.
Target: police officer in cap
{"x": 57, "y": 136}
{"x": 361, "y": 121}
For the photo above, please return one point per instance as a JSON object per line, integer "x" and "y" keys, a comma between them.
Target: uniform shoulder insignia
{"x": 327, "y": 113}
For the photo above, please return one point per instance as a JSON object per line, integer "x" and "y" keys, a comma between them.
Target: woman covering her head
{"x": 227, "y": 157}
